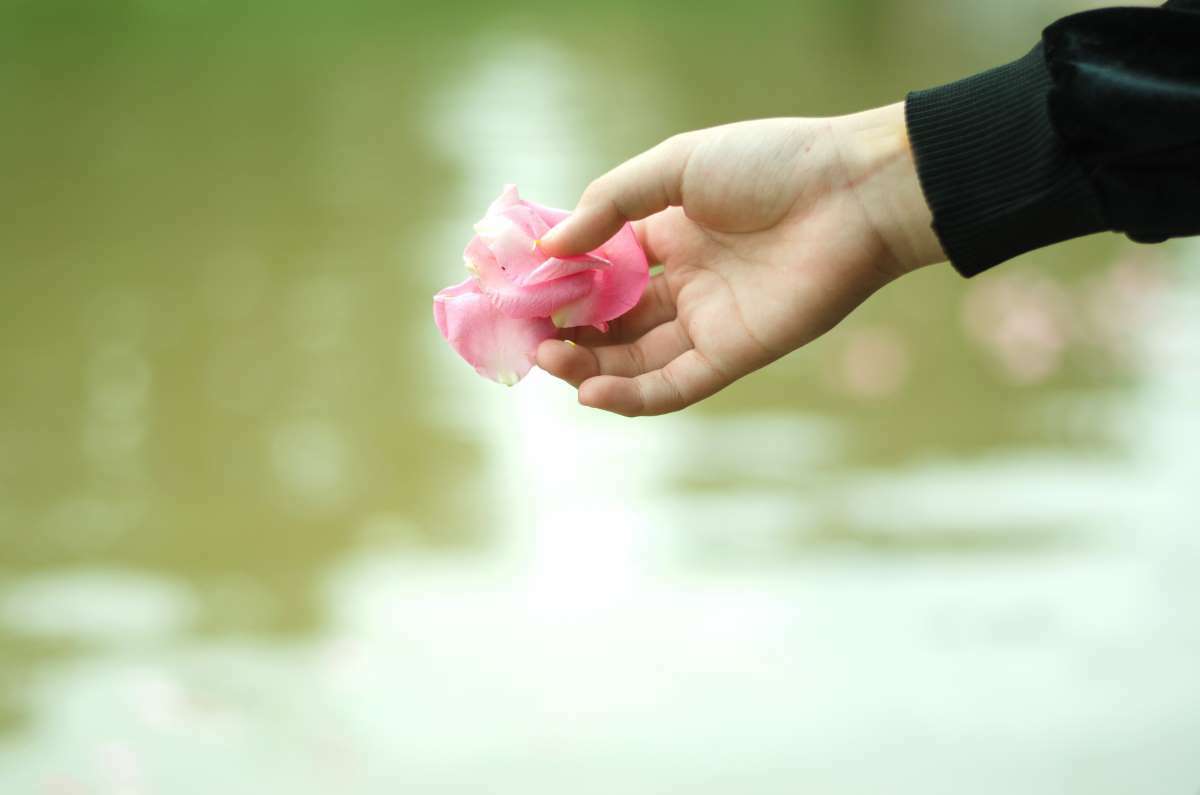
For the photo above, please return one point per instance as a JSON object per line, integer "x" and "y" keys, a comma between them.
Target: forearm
{"x": 1097, "y": 128}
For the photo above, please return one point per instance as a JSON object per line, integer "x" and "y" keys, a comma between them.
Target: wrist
{"x": 881, "y": 171}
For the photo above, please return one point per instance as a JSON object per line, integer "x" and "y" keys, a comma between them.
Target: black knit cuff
{"x": 993, "y": 169}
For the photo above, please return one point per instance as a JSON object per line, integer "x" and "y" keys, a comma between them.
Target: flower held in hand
{"x": 518, "y": 296}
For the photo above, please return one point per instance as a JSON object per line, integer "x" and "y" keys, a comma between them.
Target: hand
{"x": 770, "y": 232}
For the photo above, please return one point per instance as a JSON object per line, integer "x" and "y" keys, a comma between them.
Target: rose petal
{"x": 510, "y": 205}
{"x": 523, "y": 220}
{"x": 549, "y": 215}
{"x": 445, "y": 296}
{"x": 538, "y": 300}
{"x": 523, "y": 283}
{"x": 511, "y": 246}
{"x": 555, "y": 268}
{"x": 527, "y": 221}
{"x": 498, "y": 346}
{"x": 519, "y": 278}
{"x": 509, "y": 232}
{"x": 478, "y": 257}
{"x": 615, "y": 290}
{"x": 501, "y": 273}
{"x": 507, "y": 198}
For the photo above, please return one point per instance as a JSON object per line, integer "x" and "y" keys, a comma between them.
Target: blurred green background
{"x": 261, "y": 531}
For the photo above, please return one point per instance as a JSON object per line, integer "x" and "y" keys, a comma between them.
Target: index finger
{"x": 639, "y": 187}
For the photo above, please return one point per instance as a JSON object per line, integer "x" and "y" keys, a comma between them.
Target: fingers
{"x": 642, "y": 186}
{"x": 683, "y": 381}
{"x": 653, "y": 350}
{"x": 651, "y": 241}
{"x": 577, "y": 363}
{"x": 568, "y": 361}
{"x": 677, "y": 383}
{"x": 658, "y": 373}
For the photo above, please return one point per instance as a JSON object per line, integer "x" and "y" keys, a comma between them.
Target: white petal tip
{"x": 490, "y": 226}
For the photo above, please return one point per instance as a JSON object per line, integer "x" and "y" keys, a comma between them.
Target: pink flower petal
{"x": 514, "y": 250}
{"x": 519, "y": 278}
{"x": 538, "y": 300}
{"x": 498, "y": 346}
{"x": 511, "y": 206}
{"x": 527, "y": 221}
{"x": 478, "y": 257}
{"x": 550, "y": 215}
{"x": 507, "y": 198}
{"x": 445, "y": 296}
{"x": 555, "y": 268}
{"x": 499, "y": 276}
{"x": 523, "y": 282}
{"x": 615, "y": 290}
{"x": 508, "y": 234}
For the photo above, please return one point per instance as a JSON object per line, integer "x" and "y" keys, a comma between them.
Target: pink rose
{"x": 518, "y": 296}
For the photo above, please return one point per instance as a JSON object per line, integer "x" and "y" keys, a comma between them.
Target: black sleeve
{"x": 1097, "y": 128}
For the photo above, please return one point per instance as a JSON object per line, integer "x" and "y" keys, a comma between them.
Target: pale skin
{"x": 770, "y": 231}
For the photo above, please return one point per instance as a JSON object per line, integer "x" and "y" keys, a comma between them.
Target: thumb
{"x": 639, "y": 187}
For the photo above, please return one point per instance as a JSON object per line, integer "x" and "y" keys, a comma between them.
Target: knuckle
{"x": 673, "y": 398}
{"x": 675, "y": 141}
{"x": 596, "y": 192}
{"x": 637, "y": 358}
{"x": 681, "y": 144}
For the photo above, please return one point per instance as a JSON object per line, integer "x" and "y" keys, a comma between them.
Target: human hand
{"x": 770, "y": 232}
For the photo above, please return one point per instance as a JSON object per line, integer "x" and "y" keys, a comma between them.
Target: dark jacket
{"x": 1097, "y": 128}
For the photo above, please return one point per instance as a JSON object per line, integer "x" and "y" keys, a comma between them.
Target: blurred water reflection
{"x": 262, "y": 532}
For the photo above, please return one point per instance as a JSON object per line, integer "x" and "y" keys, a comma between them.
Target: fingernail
{"x": 570, "y": 342}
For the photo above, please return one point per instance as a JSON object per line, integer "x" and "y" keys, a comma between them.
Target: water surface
{"x": 261, "y": 531}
